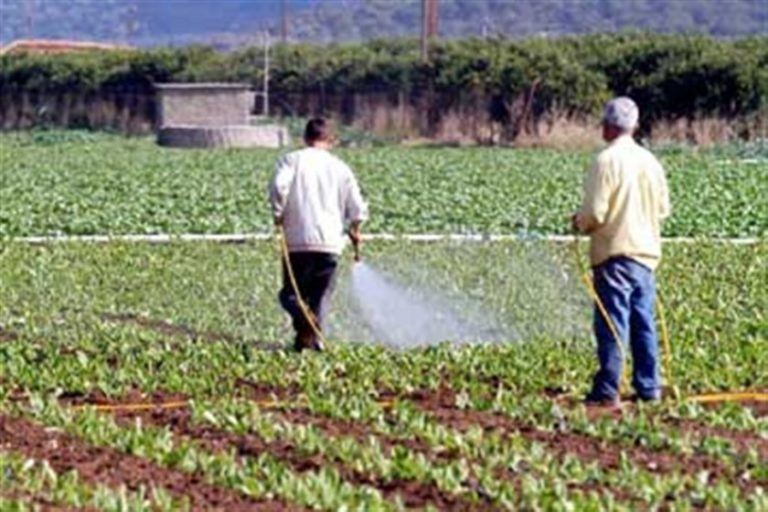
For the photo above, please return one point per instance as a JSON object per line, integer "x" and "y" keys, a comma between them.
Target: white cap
{"x": 621, "y": 112}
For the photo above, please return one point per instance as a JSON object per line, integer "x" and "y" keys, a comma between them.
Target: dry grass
{"x": 565, "y": 134}
{"x": 708, "y": 131}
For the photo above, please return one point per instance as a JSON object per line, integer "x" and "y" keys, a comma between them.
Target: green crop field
{"x": 80, "y": 183}
{"x": 249, "y": 425}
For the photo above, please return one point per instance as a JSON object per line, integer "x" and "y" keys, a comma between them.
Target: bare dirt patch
{"x": 334, "y": 427}
{"x": 7, "y": 335}
{"x": 608, "y": 455}
{"x": 741, "y": 440}
{"x": 108, "y": 466}
{"x": 179, "y": 420}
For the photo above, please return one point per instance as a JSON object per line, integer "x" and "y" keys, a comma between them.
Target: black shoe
{"x": 593, "y": 401}
{"x": 317, "y": 345}
{"x": 655, "y": 397}
{"x": 305, "y": 339}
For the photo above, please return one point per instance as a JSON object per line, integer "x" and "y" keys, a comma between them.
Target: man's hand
{"x": 356, "y": 238}
{"x": 575, "y": 222}
{"x": 354, "y": 234}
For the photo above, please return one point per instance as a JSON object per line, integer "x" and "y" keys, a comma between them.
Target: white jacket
{"x": 315, "y": 196}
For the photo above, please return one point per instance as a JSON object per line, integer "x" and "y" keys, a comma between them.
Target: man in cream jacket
{"x": 625, "y": 201}
{"x": 316, "y": 199}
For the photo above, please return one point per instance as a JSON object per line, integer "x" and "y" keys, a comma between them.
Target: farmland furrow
{"x": 608, "y": 455}
{"x": 759, "y": 408}
{"x": 165, "y": 327}
{"x": 413, "y": 493}
{"x": 742, "y": 441}
{"x": 103, "y": 465}
{"x": 337, "y": 427}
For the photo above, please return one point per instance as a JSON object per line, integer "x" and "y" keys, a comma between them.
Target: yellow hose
{"x": 752, "y": 396}
{"x": 586, "y": 279}
{"x": 736, "y": 396}
{"x": 308, "y": 316}
{"x": 132, "y": 407}
{"x": 665, "y": 341}
{"x": 178, "y": 404}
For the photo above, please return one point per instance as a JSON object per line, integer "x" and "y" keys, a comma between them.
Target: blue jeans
{"x": 627, "y": 290}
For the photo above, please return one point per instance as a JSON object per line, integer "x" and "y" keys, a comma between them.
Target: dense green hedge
{"x": 671, "y": 76}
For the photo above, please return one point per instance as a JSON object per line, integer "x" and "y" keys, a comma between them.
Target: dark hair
{"x": 317, "y": 129}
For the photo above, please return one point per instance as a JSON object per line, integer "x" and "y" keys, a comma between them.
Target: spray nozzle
{"x": 358, "y": 256}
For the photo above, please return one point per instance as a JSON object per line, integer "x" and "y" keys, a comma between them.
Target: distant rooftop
{"x": 56, "y": 46}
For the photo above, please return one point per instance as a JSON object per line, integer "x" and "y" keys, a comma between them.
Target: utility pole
{"x": 429, "y": 25}
{"x": 284, "y": 21}
{"x": 265, "y": 90}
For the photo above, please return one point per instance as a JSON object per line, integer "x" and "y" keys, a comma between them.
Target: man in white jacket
{"x": 316, "y": 199}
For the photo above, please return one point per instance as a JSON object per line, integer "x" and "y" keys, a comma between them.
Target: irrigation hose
{"x": 730, "y": 396}
{"x": 665, "y": 340}
{"x": 178, "y": 404}
{"x": 132, "y": 407}
{"x": 308, "y": 316}
{"x": 586, "y": 279}
{"x": 752, "y": 396}
{"x": 737, "y": 396}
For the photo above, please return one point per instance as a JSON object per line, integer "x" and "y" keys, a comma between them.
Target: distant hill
{"x": 352, "y": 19}
{"x": 141, "y": 22}
{"x": 229, "y": 23}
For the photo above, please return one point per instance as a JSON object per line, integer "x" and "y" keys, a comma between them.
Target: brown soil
{"x": 334, "y": 427}
{"x": 441, "y": 405}
{"x": 759, "y": 409}
{"x": 337, "y": 428}
{"x": 742, "y": 441}
{"x": 103, "y": 465}
{"x": 413, "y": 493}
{"x": 7, "y": 335}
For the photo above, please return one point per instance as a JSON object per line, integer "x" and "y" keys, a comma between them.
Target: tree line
{"x": 671, "y": 76}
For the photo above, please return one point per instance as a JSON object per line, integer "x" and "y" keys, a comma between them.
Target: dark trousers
{"x": 315, "y": 274}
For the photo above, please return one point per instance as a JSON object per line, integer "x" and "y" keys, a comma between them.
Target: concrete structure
{"x": 208, "y": 115}
{"x": 204, "y": 104}
{"x": 263, "y": 136}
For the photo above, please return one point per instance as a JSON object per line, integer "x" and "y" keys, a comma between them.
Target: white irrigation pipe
{"x": 235, "y": 238}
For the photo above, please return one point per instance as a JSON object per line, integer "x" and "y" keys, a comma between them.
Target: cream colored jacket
{"x": 315, "y": 196}
{"x": 625, "y": 200}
